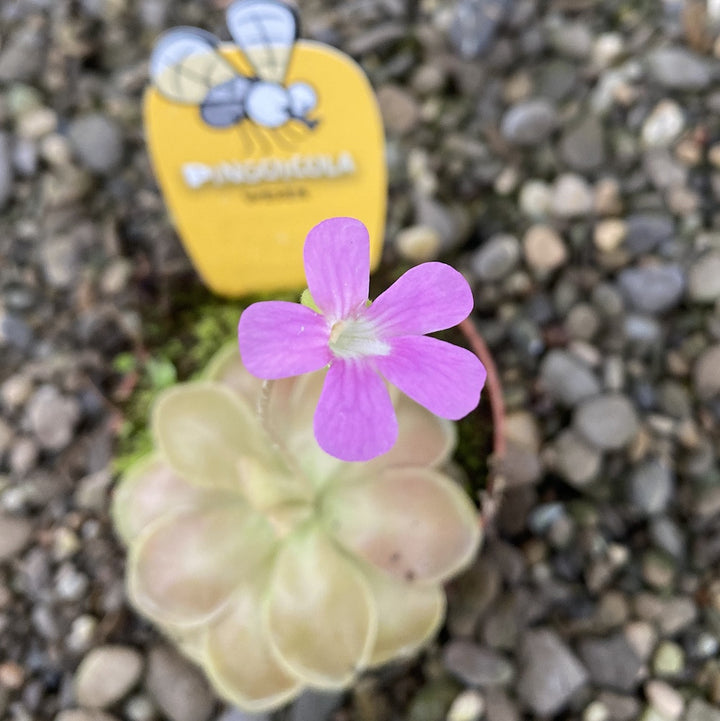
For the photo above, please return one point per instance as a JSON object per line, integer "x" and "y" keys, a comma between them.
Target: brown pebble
{"x": 12, "y": 675}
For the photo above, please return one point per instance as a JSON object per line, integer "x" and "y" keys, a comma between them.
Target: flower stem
{"x": 263, "y": 405}
{"x": 263, "y": 411}
{"x": 496, "y": 480}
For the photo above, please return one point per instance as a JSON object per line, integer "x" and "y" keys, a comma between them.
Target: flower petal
{"x": 320, "y": 613}
{"x": 408, "y": 615}
{"x": 337, "y": 266}
{"x": 239, "y": 659}
{"x": 204, "y": 430}
{"x": 147, "y": 491}
{"x": 278, "y": 339}
{"x": 429, "y": 297}
{"x": 443, "y": 377}
{"x": 355, "y": 419}
{"x": 184, "y": 567}
{"x": 413, "y": 523}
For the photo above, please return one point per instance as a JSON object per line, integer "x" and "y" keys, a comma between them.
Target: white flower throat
{"x": 356, "y": 338}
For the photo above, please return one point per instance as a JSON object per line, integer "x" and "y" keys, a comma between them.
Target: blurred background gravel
{"x": 565, "y": 154}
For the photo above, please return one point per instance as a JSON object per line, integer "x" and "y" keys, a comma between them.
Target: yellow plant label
{"x": 255, "y": 142}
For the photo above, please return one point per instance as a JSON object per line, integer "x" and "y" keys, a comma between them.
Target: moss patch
{"x": 178, "y": 343}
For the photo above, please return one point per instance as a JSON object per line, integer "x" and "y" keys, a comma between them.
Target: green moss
{"x": 179, "y": 341}
{"x": 475, "y": 438}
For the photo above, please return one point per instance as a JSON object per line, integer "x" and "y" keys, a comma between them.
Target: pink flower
{"x": 363, "y": 343}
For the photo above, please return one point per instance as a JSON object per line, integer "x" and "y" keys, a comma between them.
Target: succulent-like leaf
{"x": 226, "y": 368}
{"x": 408, "y": 615}
{"x": 413, "y": 523}
{"x": 321, "y": 618}
{"x": 184, "y": 567}
{"x": 239, "y": 658}
{"x": 204, "y": 429}
{"x": 291, "y": 410}
{"x": 148, "y": 490}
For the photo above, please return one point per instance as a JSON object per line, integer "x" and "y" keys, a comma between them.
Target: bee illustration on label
{"x": 188, "y": 67}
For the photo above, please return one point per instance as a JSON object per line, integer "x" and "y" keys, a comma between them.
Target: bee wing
{"x": 265, "y": 30}
{"x": 185, "y": 64}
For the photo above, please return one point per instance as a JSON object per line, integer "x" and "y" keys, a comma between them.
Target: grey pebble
{"x": 642, "y": 329}
{"x": 441, "y": 218}
{"x": 577, "y": 461}
{"x": 476, "y": 665}
{"x": 235, "y": 714}
{"x": 651, "y": 487}
{"x": 582, "y": 146}
{"x": 663, "y": 125}
{"x": 667, "y": 535}
{"x": 677, "y": 68}
{"x": 700, "y": 710}
{"x": 6, "y": 170}
{"x": 499, "y": 706}
{"x": 654, "y": 288}
{"x": 520, "y": 465}
{"x": 608, "y": 299}
{"x": 6, "y": 436}
{"x": 557, "y": 78}
{"x": 496, "y": 258}
{"x": 400, "y": 110}
{"x": 70, "y": 584}
{"x": 571, "y": 39}
{"x": 529, "y": 122}
{"x": 179, "y": 688}
{"x": 52, "y": 417}
{"x": 81, "y": 714}
{"x": 566, "y": 378}
{"x": 97, "y": 140}
{"x": 22, "y": 54}
{"x": 608, "y": 422}
{"x": 664, "y": 170}
{"x": 612, "y": 662}
{"x": 646, "y": 231}
{"x": 15, "y": 533}
{"x": 14, "y": 331}
{"x": 550, "y": 673}
{"x": 106, "y": 675}
{"x": 25, "y": 157}
{"x": 15, "y": 391}
{"x": 153, "y": 13}
{"x": 620, "y": 707}
{"x": 704, "y": 278}
{"x": 314, "y": 705}
{"x": 24, "y": 455}
{"x": 60, "y": 258}
{"x": 572, "y": 196}
{"x": 474, "y": 25}
{"x": 706, "y": 373}
{"x": 376, "y": 39}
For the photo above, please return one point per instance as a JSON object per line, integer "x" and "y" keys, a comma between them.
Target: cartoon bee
{"x": 187, "y": 67}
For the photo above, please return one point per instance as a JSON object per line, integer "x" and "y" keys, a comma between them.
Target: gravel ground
{"x": 565, "y": 154}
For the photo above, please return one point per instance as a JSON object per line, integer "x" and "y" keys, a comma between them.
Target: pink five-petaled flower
{"x": 362, "y": 344}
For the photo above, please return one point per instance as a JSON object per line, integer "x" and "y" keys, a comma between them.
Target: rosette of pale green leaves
{"x": 273, "y": 565}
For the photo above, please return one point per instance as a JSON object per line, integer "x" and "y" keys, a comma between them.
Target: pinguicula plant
{"x": 271, "y": 562}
